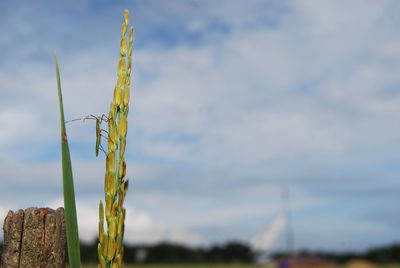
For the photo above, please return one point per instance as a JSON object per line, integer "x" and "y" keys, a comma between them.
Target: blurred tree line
{"x": 383, "y": 255}
{"x": 231, "y": 252}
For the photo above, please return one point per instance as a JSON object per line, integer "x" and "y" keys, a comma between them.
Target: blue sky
{"x": 231, "y": 101}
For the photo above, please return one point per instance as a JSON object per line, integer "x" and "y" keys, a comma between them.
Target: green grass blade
{"x": 68, "y": 187}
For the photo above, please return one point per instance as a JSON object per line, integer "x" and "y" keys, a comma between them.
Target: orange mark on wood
{"x": 43, "y": 213}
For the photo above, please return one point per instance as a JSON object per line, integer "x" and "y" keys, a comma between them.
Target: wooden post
{"x": 34, "y": 237}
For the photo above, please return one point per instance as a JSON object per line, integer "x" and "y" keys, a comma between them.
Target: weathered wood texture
{"x": 34, "y": 237}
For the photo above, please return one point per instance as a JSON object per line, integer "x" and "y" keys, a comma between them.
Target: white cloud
{"x": 139, "y": 226}
{"x": 16, "y": 124}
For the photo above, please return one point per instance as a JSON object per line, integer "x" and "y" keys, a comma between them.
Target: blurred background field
{"x": 224, "y": 266}
{"x": 188, "y": 266}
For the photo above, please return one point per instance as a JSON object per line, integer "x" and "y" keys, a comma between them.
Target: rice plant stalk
{"x": 110, "y": 246}
{"x": 68, "y": 187}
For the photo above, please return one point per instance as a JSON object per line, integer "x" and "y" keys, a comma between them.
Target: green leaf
{"x": 68, "y": 188}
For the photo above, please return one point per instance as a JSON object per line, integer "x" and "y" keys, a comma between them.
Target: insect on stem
{"x": 99, "y": 130}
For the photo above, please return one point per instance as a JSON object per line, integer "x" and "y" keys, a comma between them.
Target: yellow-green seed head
{"x": 117, "y": 261}
{"x": 128, "y": 82}
{"x": 123, "y": 30}
{"x": 120, "y": 225}
{"x": 112, "y": 247}
{"x": 131, "y": 37}
{"x": 101, "y": 211}
{"x": 126, "y": 96}
{"x": 126, "y": 16}
{"x": 102, "y": 263}
{"x": 129, "y": 67}
{"x": 99, "y": 249}
{"x": 111, "y": 184}
{"x": 110, "y": 162}
{"x": 114, "y": 209}
{"x": 115, "y": 130}
{"x": 111, "y": 114}
{"x": 109, "y": 200}
{"x": 101, "y": 229}
{"x": 104, "y": 246}
{"x": 121, "y": 66}
{"x": 122, "y": 148}
{"x": 122, "y": 169}
{"x": 120, "y": 245}
{"x": 123, "y": 125}
{"x": 117, "y": 95}
{"x": 121, "y": 81}
{"x": 112, "y": 228}
{"x": 124, "y": 48}
{"x": 112, "y": 136}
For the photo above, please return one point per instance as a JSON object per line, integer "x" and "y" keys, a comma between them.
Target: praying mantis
{"x": 99, "y": 130}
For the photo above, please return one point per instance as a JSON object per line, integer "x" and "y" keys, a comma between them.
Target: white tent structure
{"x": 264, "y": 240}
